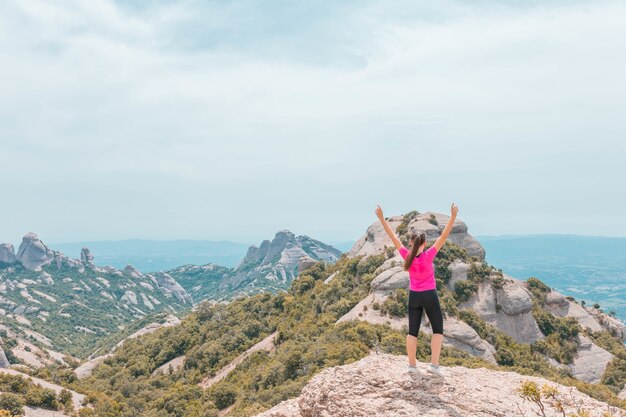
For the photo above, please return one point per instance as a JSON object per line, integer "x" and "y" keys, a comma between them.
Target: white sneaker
{"x": 411, "y": 369}
{"x": 435, "y": 369}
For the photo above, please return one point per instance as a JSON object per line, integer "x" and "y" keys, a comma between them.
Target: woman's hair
{"x": 416, "y": 241}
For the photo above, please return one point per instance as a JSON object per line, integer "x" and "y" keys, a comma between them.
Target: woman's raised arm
{"x": 446, "y": 231}
{"x": 392, "y": 235}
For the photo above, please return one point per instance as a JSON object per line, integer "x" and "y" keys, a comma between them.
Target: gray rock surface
{"x": 590, "y": 361}
{"x": 4, "y": 362}
{"x": 509, "y": 309}
{"x": 33, "y": 254}
{"x": 378, "y": 385}
{"x": 391, "y": 279}
{"x": 169, "y": 286}
{"x": 7, "y": 253}
{"x": 561, "y": 307}
{"x": 85, "y": 256}
{"x": 376, "y": 240}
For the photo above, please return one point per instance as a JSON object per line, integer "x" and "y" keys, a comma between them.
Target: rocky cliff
{"x": 379, "y": 385}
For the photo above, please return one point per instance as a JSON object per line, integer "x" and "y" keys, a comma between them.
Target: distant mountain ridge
{"x": 73, "y": 303}
{"x": 159, "y": 255}
{"x": 271, "y": 266}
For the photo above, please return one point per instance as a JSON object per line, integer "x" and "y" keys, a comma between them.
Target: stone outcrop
{"x": 33, "y": 254}
{"x": 7, "y": 253}
{"x": 508, "y": 309}
{"x": 590, "y": 362}
{"x": 376, "y": 240}
{"x": 305, "y": 263}
{"x": 85, "y": 256}
{"x": 379, "y": 385}
{"x": 4, "y": 362}
{"x": 170, "y": 287}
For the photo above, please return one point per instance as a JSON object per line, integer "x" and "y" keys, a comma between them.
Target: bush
{"x": 464, "y": 289}
{"x": 396, "y": 304}
{"x": 12, "y": 403}
{"x": 223, "y": 396}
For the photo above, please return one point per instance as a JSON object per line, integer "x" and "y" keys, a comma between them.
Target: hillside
{"x": 69, "y": 304}
{"x": 246, "y": 356}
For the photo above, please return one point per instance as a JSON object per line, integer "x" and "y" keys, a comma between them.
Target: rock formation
{"x": 4, "y": 362}
{"x": 274, "y": 264}
{"x": 7, "y": 253}
{"x": 33, "y": 254}
{"x": 432, "y": 224}
{"x": 379, "y": 385}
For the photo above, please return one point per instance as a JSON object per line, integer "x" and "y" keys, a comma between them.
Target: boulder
{"x": 391, "y": 279}
{"x": 508, "y": 309}
{"x": 33, "y": 254}
{"x": 590, "y": 362}
{"x": 4, "y": 362}
{"x": 169, "y": 286}
{"x": 7, "y": 253}
{"x": 305, "y": 263}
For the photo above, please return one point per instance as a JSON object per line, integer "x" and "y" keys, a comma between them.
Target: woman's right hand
{"x": 379, "y": 213}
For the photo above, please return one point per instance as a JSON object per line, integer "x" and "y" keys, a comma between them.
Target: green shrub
{"x": 396, "y": 304}
{"x": 464, "y": 289}
{"x": 13, "y": 403}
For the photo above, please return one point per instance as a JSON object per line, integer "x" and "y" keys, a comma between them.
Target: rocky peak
{"x": 85, "y": 256}
{"x": 277, "y": 245}
{"x": 33, "y": 253}
{"x": 277, "y": 262}
{"x": 7, "y": 253}
{"x": 432, "y": 224}
{"x": 378, "y": 385}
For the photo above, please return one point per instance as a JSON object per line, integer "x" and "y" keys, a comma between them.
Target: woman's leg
{"x": 435, "y": 316}
{"x": 415, "y": 319}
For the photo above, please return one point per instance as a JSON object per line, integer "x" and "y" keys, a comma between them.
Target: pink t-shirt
{"x": 422, "y": 270}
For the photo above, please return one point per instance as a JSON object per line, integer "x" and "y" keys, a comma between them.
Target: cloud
{"x": 305, "y": 101}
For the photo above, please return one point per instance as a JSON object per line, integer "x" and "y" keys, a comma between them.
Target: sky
{"x": 232, "y": 120}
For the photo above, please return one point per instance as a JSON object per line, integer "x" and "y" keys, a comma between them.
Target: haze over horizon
{"x": 230, "y": 121}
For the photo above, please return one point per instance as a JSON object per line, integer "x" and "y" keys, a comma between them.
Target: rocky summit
{"x": 500, "y": 300}
{"x": 275, "y": 263}
{"x": 379, "y": 385}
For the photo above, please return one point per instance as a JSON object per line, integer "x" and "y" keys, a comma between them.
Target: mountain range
{"x": 250, "y": 350}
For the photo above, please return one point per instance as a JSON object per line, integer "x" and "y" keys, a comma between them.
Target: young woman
{"x": 423, "y": 289}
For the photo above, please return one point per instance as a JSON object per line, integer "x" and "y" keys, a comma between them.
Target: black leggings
{"x": 420, "y": 301}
